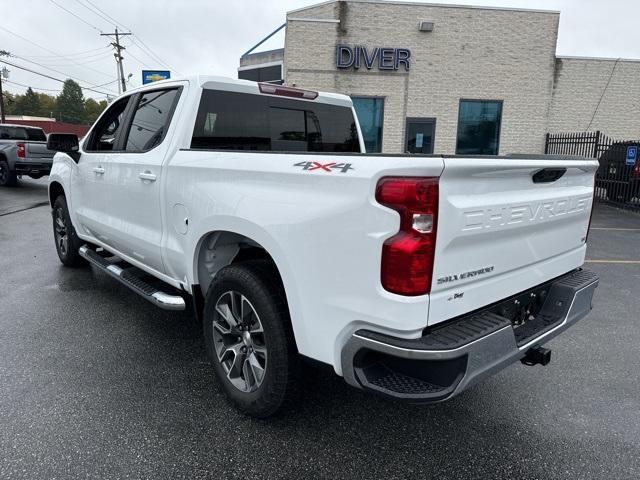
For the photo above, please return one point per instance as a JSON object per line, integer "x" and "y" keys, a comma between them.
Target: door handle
{"x": 98, "y": 170}
{"x": 148, "y": 176}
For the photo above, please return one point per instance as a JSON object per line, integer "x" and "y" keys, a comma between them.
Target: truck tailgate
{"x": 38, "y": 150}
{"x": 505, "y": 225}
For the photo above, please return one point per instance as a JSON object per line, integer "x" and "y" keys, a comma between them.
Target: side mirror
{"x": 64, "y": 142}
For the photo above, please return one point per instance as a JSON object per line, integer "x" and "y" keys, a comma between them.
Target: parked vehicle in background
{"x": 413, "y": 276}
{"x": 620, "y": 180}
{"x": 23, "y": 151}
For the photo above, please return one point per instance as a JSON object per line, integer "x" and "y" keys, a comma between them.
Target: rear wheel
{"x": 67, "y": 241}
{"x": 7, "y": 177}
{"x": 249, "y": 338}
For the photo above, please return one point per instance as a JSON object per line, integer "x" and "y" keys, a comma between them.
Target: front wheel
{"x": 67, "y": 241}
{"x": 249, "y": 338}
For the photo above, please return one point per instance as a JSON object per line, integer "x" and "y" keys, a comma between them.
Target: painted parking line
{"x": 630, "y": 262}
{"x": 616, "y": 229}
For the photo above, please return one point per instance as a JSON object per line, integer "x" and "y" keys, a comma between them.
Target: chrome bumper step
{"x": 131, "y": 277}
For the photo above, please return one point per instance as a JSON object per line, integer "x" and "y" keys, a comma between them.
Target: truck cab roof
{"x": 243, "y": 86}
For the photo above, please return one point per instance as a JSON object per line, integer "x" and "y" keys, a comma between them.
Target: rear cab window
{"x": 22, "y": 133}
{"x": 263, "y": 123}
{"x": 13, "y": 133}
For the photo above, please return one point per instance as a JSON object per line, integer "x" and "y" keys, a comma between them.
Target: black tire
{"x": 259, "y": 283}
{"x": 8, "y": 178}
{"x": 65, "y": 237}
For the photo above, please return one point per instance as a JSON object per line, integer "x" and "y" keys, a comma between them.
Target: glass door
{"x": 420, "y": 135}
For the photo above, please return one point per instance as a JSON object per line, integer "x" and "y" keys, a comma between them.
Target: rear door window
{"x": 151, "y": 119}
{"x": 36, "y": 135}
{"x": 243, "y": 121}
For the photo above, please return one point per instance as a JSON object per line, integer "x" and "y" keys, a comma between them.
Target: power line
{"x": 50, "y": 77}
{"x": 48, "y": 89}
{"x": 101, "y": 58}
{"x": 52, "y": 52}
{"x": 153, "y": 55}
{"x": 33, "y": 88}
{"x": 146, "y": 50}
{"x": 86, "y": 53}
{"x": 603, "y": 92}
{"x": 57, "y": 71}
{"x": 124, "y": 27}
{"x": 95, "y": 12}
{"x": 76, "y": 16}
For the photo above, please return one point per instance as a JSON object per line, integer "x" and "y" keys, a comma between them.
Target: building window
{"x": 369, "y": 111}
{"x": 420, "y": 135}
{"x": 479, "y": 127}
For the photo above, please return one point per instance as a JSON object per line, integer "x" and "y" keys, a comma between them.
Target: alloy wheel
{"x": 239, "y": 341}
{"x": 60, "y": 232}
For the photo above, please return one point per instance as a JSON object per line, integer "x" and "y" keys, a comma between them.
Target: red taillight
{"x": 636, "y": 170}
{"x": 287, "y": 91}
{"x": 407, "y": 257}
{"x": 21, "y": 150}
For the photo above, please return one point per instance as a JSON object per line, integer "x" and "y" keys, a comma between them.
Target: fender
{"x": 261, "y": 236}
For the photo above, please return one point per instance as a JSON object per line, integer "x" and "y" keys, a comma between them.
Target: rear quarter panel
{"x": 323, "y": 228}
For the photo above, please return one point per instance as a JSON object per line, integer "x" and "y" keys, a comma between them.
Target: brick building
{"x": 446, "y": 79}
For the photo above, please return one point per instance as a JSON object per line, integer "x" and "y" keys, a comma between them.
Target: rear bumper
{"x": 465, "y": 350}
{"x": 33, "y": 168}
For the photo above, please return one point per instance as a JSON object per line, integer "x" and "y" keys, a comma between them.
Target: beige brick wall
{"x": 581, "y": 83}
{"x": 472, "y": 53}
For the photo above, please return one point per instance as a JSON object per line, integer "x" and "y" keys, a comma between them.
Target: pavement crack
{"x": 35, "y": 205}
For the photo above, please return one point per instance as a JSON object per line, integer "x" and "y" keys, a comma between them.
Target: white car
{"x": 413, "y": 276}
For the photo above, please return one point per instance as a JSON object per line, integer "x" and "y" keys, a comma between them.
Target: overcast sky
{"x": 208, "y": 36}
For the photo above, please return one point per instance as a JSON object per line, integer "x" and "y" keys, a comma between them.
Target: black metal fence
{"x": 618, "y": 177}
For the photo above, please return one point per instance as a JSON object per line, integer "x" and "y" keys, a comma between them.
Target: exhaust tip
{"x": 537, "y": 356}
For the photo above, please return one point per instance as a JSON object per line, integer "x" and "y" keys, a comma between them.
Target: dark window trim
{"x": 482, "y": 100}
{"x": 384, "y": 101}
{"x": 420, "y": 120}
{"x": 122, "y": 142}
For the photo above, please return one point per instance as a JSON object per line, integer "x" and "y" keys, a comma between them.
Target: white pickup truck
{"x": 413, "y": 276}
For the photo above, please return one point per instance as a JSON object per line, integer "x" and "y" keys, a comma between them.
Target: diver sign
{"x": 381, "y": 58}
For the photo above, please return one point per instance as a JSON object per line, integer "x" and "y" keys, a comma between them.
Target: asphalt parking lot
{"x": 97, "y": 383}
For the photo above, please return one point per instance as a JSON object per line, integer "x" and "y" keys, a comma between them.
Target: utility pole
{"x": 3, "y": 73}
{"x": 118, "y": 57}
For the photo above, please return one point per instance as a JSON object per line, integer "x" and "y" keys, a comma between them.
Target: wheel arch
{"x": 216, "y": 249}
{"x": 55, "y": 190}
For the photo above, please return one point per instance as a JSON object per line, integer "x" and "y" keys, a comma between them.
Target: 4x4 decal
{"x": 327, "y": 167}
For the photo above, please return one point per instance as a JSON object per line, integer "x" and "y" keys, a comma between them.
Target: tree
{"x": 29, "y": 103}
{"x": 47, "y": 105}
{"x": 93, "y": 109}
{"x": 70, "y": 103}
{"x": 10, "y": 103}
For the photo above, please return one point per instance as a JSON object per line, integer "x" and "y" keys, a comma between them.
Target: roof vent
{"x": 426, "y": 26}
